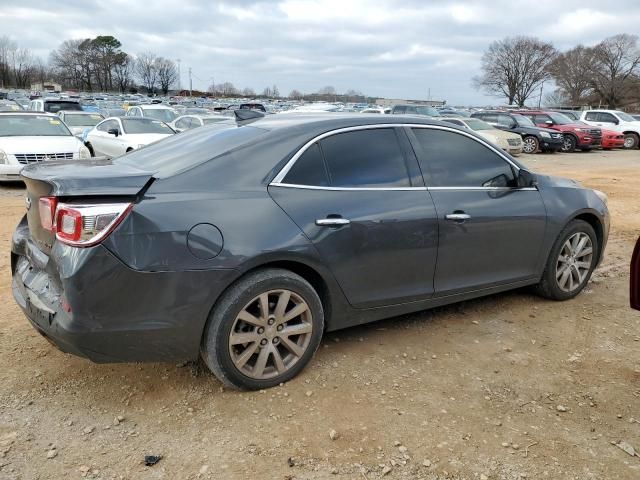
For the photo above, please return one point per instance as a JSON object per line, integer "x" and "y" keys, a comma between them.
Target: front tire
{"x": 570, "y": 263}
{"x": 568, "y": 143}
{"x": 631, "y": 141}
{"x": 530, "y": 144}
{"x": 263, "y": 330}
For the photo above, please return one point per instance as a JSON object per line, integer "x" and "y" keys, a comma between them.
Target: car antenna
{"x": 246, "y": 115}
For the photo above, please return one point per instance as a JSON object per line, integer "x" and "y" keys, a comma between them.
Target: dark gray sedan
{"x": 244, "y": 244}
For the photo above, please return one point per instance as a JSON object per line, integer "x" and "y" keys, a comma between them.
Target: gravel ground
{"x": 506, "y": 387}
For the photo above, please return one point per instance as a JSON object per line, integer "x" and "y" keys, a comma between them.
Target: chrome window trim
{"x": 278, "y": 179}
{"x": 401, "y": 189}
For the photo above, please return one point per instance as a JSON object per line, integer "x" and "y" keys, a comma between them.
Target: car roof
{"x": 30, "y": 112}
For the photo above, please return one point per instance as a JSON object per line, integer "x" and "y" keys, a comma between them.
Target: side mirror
{"x": 113, "y": 131}
{"x": 526, "y": 179}
{"x": 513, "y": 125}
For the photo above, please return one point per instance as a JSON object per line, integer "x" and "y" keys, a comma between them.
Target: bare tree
{"x": 23, "y": 67}
{"x": 7, "y": 46}
{"x": 515, "y": 67}
{"x": 275, "y": 93}
{"x": 146, "y": 70}
{"x": 248, "y": 92}
{"x": 295, "y": 94}
{"x": 167, "y": 73}
{"x": 558, "y": 98}
{"x": 328, "y": 90}
{"x": 123, "y": 72}
{"x": 227, "y": 89}
{"x": 615, "y": 68}
{"x": 572, "y": 73}
{"x": 267, "y": 92}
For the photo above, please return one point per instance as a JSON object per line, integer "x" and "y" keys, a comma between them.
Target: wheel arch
{"x": 592, "y": 219}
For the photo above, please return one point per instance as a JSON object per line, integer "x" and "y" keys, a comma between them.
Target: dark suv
{"x": 533, "y": 138}
{"x": 576, "y": 134}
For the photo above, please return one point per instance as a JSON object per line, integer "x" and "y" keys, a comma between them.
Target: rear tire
{"x": 631, "y": 141}
{"x": 570, "y": 263}
{"x": 246, "y": 344}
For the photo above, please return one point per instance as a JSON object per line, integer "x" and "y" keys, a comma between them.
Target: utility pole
{"x": 190, "y": 83}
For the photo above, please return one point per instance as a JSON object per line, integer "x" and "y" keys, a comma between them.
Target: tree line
{"x": 607, "y": 74}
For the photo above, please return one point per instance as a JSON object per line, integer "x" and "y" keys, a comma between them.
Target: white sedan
{"x": 78, "y": 122}
{"x": 116, "y": 136}
{"x": 30, "y": 137}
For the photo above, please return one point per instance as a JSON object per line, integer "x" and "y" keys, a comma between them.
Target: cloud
{"x": 399, "y": 49}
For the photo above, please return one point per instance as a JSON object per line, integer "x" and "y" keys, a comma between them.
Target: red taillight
{"x": 81, "y": 225}
{"x": 47, "y": 210}
{"x": 68, "y": 224}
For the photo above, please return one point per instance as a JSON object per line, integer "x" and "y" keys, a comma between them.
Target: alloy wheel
{"x": 530, "y": 145}
{"x": 629, "y": 141}
{"x": 574, "y": 261}
{"x": 270, "y": 334}
{"x": 567, "y": 144}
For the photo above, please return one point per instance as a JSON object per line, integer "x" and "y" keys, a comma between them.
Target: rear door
{"x": 490, "y": 232}
{"x": 358, "y": 195}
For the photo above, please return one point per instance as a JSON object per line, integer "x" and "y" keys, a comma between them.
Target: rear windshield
{"x": 189, "y": 149}
{"x": 54, "y": 106}
{"x": 83, "y": 120}
{"x": 32, "y": 126}
{"x": 137, "y": 125}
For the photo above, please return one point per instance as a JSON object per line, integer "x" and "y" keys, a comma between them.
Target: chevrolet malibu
{"x": 245, "y": 244}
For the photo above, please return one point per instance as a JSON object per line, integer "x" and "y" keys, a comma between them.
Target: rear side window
{"x": 365, "y": 158}
{"x": 591, "y": 117}
{"x": 455, "y": 160}
{"x": 309, "y": 169}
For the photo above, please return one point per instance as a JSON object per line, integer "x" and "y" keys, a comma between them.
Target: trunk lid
{"x": 86, "y": 179}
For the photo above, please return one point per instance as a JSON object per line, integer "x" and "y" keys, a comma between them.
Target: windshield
{"x": 432, "y": 112}
{"x": 477, "y": 125}
{"x": 189, "y": 149}
{"x": 625, "y": 117}
{"x": 9, "y": 106}
{"x": 162, "y": 114}
{"x": 32, "y": 126}
{"x": 135, "y": 126}
{"x": 83, "y": 120}
{"x": 523, "y": 121}
{"x": 560, "y": 119}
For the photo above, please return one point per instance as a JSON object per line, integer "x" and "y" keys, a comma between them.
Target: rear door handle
{"x": 458, "y": 217}
{"x": 332, "y": 222}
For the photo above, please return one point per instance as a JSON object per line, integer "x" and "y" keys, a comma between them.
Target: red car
{"x": 576, "y": 135}
{"x": 612, "y": 139}
{"x": 635, "y": 277}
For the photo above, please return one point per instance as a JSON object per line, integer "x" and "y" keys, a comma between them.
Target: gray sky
{"x": 383, "y": 48}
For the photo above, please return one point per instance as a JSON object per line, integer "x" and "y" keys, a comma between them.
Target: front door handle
{"x": 458, "y": 217}
{"x": 332, "y": 222}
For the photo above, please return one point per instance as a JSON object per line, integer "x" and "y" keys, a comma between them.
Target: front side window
{"x": 624, "y": 116}
{"x": 607, "y": 117}
{"x": 523, "y": 121}
{"x": 455, "y": 160}
{"x": 505, "y": 121}
{"x": 108, "y": 125}
{"x": 365, "y": 158}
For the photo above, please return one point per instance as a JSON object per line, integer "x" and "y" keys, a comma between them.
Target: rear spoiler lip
{"x": 72, "y": 179}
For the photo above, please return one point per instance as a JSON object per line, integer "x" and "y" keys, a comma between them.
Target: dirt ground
{"x": 506, "y": 387}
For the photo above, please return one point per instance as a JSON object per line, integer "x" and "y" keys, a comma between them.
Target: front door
{"x": 490, "y": 232}
{"x": 359, "y": 197}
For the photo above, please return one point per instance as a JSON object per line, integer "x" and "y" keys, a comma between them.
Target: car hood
{"x": 552, "y": 181}
{"x": 39, "y": 144}
{"x": 498, "y": 135}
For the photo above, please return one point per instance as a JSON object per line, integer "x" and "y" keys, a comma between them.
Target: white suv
{"x": 617, "y": 121}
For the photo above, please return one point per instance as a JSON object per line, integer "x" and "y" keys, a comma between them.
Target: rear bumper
{"x": 90, "y": 304}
